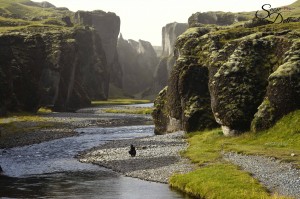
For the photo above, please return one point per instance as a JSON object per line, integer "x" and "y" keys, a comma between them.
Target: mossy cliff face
{"x": 186, "y": 101}
{"x": 234, "y": 76}
{"x": 283, "y": 90}
{"x": 53, "y": 68}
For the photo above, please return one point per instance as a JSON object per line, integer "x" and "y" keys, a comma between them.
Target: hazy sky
{"x": 144, "y": 19}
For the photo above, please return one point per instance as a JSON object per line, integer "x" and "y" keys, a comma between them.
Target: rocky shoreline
{"x": 158, "y": 157}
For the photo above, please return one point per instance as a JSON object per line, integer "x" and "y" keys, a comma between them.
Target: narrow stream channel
{"x": 49, "y": 170}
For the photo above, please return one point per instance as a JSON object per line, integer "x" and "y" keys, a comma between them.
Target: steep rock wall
{"x": 63, "y": 70}
{"x": 107, "y": 25}
{"x": 138, "y": 60}
{"x": 235, "y": 76}
{"x": 170, "y": 33}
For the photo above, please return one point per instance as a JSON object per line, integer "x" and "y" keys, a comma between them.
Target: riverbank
{"x": 158, "y": 157}
{"x": 253, "y": 165}
{"x": 27, "y": 129}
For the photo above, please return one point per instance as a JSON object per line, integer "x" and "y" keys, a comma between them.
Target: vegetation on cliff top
{"x": 19, "y": 14}
{"x": 216, "y": 178}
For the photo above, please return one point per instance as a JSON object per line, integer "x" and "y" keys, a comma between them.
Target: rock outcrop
{"x": 107, "y": 25}
{"x": 60, "y": 69}
{"x": 138, "y": 60}
{"x": 170, "y": 32}
{"x": 217, "y": 18}
{"x": 235, "y": 76}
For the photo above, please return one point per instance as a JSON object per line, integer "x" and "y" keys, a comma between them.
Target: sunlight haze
{"x": 141, "y": 19}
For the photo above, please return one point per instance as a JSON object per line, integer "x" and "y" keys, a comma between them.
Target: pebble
{"x": 157, "y": 157}
{"x": 279, "y": 177}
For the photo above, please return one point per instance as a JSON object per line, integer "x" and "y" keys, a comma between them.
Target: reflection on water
{"x": 101, "y": 184}
{"x": 49, "y": 170}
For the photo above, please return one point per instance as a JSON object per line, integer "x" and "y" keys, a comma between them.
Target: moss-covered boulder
{"x": 283, "y": 91}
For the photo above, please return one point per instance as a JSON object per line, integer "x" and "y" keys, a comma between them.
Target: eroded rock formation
{"x": 63, "y": 70}
{"x": 107, "y": 25}
{"x": 56, "y": 58}
{"x": 235, "y": 76}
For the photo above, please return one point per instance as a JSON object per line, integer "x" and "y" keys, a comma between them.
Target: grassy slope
{"x": 16, "y": 15}
{"x": 216, "y": 178}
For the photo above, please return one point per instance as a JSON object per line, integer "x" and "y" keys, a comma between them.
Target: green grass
{"x": 130, "y": 110}
{"x": 21, "y": 117}
{"x": 215, "y": 178}
{"x": 43, "y": 110}
{"x": 19, "y": 123}
{"x": 222, "y": 181}
{"x": 120, "y": 102}
{"x": 19, "y": 14}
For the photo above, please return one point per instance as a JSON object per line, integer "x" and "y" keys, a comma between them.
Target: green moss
{"x": 264, "y": 116}
{"x": 52, "y": 21}
{"x": 144, "y": 111}
{"x": 286, "y": 70}
{"x": 120, "y": 102}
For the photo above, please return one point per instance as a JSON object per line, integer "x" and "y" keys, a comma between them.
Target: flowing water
{"x": 49, "y": 170}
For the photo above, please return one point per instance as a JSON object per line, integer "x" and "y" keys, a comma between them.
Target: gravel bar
{"x": 278, "y": 177}
{"x": 157, "y": 157}
{"x": 61, "y": 125}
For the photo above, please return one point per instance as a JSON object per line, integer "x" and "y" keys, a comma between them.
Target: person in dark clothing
{"x": 132, "y": 151}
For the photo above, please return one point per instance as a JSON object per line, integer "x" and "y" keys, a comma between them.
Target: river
{"x": 49, "y": 169}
